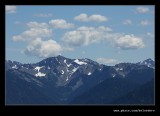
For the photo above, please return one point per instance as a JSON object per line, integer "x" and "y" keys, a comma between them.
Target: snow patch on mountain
{"x": 39, "y": 74}
{"x": 117, "y": 69}
{"x": 67, "y": 78}
{"x": 149, "y": 65}
{"x": 113, "y": 75}
{"x": 68, "y": 65}
{"x": 89, "y": 73}
{"x": 38, "y": 68}
{"x": 15, "y": 67}
{"x": 62, "y": 72}
{"x": 67, "y": 69}
{"x": 79, "y": 62}
{"x": 74, "y": 70}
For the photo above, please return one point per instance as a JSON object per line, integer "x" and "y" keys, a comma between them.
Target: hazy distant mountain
{"x": 60, "y": 80}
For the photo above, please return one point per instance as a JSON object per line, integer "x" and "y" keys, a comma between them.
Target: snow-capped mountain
{"x": 148, "y": 62}
{"x": 61, "y": 67}
{"x": 60, "y": 80}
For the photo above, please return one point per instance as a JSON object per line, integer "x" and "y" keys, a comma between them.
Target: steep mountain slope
{"x": 60, "y": 80}
{"x": 24, "y": 89}
{"x": 114, "y": 88}
{"x": 141, "y": 95}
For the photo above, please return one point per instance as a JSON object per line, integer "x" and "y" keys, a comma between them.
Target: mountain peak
{"x": 149, "y": 59}
{"x": 60, "y": 56}
{"x": 148, "y": 62}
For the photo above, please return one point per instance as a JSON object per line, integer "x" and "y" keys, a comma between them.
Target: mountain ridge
{"x": 61, "y": 80}
{"x": 60, "y": 56}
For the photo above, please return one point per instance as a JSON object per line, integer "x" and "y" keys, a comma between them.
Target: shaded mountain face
{"x": 141, "y": 95}
{"x": 60, "y": 80}
{"x": 118, "y": 91}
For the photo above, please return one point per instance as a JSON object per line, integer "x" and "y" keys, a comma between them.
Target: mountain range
{"x": 60, "y": 80}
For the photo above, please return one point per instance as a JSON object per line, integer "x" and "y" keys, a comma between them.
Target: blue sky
{"x": 107, "y": 34}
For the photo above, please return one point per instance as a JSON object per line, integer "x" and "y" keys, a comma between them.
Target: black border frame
{"x": 78, "y": 109}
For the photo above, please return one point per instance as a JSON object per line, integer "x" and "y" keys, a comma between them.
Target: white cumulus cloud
{"x": 129, "y": 42}
{"x": 95, "y": 17}
{"x": 107, "y": 61}
{"x": 142, "y": 9}
{"x": 61, "y": 23}
{"x": 10, "y": 9}
{"x": 35, "y": 30}
{"x": 127, "y": 22}
{"x": 34, "y": 24}
{"x": 85, "y": 35}
{"x": 37, "y": 38}
{"x": 43, "y": 49}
